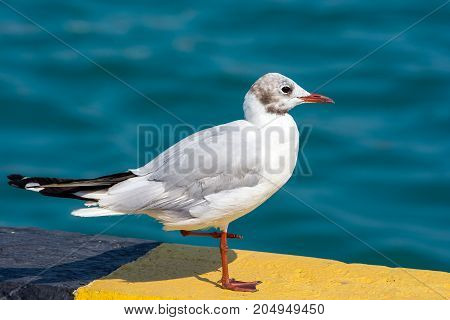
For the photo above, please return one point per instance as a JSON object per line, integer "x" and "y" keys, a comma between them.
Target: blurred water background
{"x": 379, "y": 156}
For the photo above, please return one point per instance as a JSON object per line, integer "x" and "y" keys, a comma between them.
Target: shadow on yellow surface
{"x": 187, "y": 272}
{"x": 168, "y": 262}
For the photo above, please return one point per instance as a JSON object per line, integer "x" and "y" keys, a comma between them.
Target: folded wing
{"x": 180, "y": 183}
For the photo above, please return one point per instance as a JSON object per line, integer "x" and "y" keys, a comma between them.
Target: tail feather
{"x": 82, "y": 189}
{"x": 95, "y": 212}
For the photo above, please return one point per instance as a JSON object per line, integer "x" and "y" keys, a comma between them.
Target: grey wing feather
{"x": 207, "y": 162}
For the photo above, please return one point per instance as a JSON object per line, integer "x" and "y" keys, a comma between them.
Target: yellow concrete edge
{"x": 173, "y": 271}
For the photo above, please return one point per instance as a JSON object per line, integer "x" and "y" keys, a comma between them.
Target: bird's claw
{"x": 235, "y": 285}
{"x": 216, "y": 235}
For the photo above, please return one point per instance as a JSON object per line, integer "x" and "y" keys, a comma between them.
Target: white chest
{"x": 280, "y": 141}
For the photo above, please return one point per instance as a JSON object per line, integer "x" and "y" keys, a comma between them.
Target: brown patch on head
{"x": 262, "y": 94}
{"x": 268, "y": 91}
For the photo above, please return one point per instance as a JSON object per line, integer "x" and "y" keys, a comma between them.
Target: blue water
{"x": 379, "y": 157}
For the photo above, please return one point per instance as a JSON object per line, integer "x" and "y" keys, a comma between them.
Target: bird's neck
{"x": 256, "y": 113}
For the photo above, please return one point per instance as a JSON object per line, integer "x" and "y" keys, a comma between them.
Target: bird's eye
{"x": 286, "y": 89}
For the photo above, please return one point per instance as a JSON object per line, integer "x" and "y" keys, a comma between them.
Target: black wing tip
{"x": 15, "y": 176}
{"x": 20, "y": 181}
{"x": 15, "y": 179}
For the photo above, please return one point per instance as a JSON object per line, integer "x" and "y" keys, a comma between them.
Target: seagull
{"x": 206, "y": 180}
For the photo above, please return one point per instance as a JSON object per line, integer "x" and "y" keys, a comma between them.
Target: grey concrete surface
{"x": 42, "y": 264}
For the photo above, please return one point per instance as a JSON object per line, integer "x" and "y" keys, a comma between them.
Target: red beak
{"x": 316, "y": 98}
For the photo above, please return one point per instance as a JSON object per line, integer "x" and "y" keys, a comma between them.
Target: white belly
{"x": 280, "y": 143}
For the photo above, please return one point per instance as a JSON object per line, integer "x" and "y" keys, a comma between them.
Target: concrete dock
{"x": 38, "y": 264}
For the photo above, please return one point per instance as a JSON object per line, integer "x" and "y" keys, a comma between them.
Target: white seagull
{"x": 206, "y": 180}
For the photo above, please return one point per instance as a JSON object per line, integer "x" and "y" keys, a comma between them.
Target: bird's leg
{"x": 228, "y": 283}
{"x": 216, "y": 235}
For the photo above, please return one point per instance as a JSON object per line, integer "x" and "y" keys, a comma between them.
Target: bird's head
{"x": 279, "y": 94}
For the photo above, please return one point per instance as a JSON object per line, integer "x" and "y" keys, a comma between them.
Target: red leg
{"x": 216, "y": 235}
{"x": 228, "y": 283}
